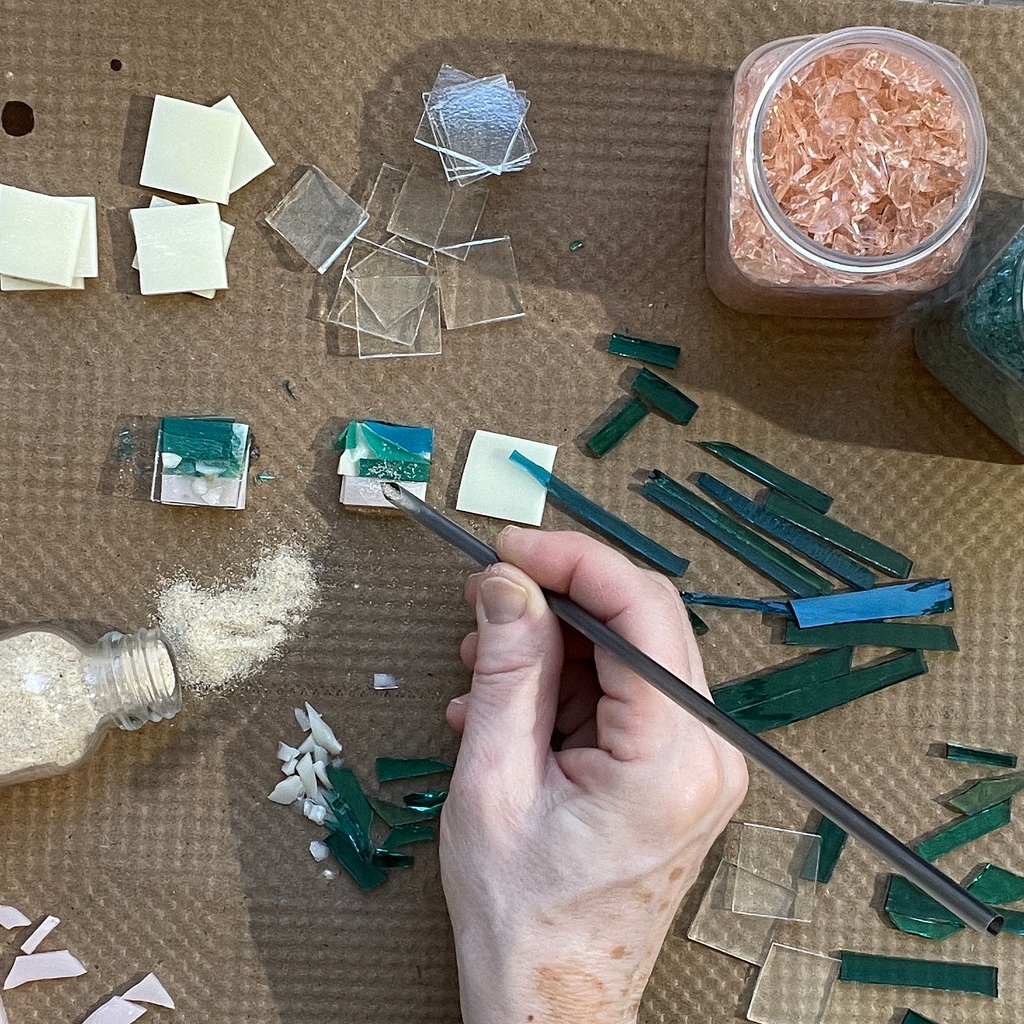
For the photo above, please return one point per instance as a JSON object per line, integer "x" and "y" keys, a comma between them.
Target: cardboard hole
{"x": 115, "y": 64}
{"x": 17, "y": 118}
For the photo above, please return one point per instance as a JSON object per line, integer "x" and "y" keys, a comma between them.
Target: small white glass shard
{"x": 285, "y": 752}
{"x": 287, "y": 791}
{"x": 31, "y": 944}
{"x": 151, "y": 991}
{"x": 319, "y": 754}
{"x": 302, "y": 718}
{"x": 776, "y": 872}
{"x": 307, "y": 745}
{"x": 11, "y": 917}
{"x": 43, "y": 967}
{"x": 319, "y": 851}
{"x": 421, "y": 208}
{"x": 116, "y": 1010}
{"x": 323, "y": 734}
{"x": 304, "y": 770}
{"x": 384, "y": 681}
{"x": 718, "y": 926}
{"x": 289, "y": 766}
{"x": 251, "y": 157}
{"x": 793, "y": 987}
{"x": 316, "y": 813}
{"x": 320, "y": 768}
{"x": 479, "y": 283}
{"x": 180, "y": 248}
{"x": 3, "y": 1014}
{"x": 40, "y": 236}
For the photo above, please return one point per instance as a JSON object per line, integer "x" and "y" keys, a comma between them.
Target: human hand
{"x": 564, "y": 868}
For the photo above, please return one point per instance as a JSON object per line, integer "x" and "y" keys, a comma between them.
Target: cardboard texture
{"x": 162, "y": 853}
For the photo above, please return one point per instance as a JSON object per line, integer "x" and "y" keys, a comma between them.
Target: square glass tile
{"x": 718, "y": 926}
{"x": 421, "y": 208}
{"x": 479, "y": 283}
{"x": 776, "y": 873}
{"x": 793, "y": 987}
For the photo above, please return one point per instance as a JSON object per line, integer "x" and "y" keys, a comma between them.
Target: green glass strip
{"x": 664, "y": 397}
{"x": 935, "y": 930}
{"x": 425, "y": 801}
{"x": 910, "y": 1017}
{"x": 833, "y": 840}
{"x": 768, "y": 474}
{"x": 993, "y": 884}
{"x": 985, "y": 793}
{"x": 605, "y": 439}
{"x": 893, "y": 601}
{"x": 395, "y": 814}
{"x": 201, "y": 440}
{"x": 390, "y": 859}
{"x": 405, "y": 835}
{"x": 794, "y": 537}
{"x": 405, "y": 470}
{"x": 749, "y": 604}
{"x": 870, "y": 969}
{"x": 808, "y": 702}
{"x": 962, "y": 832}
{"x": 902, "y": 635}
{"x": 903, "y": 897}
{"x": 700, "y": 627}
{"x": 978, "y": 755}
{"x": 654, "y": 352}
{"x": 391, "y": 768}
{"x": 588, "y": 512}
{"x": 810, "y": 672}
{"x": 382, "y": 447}
{"x": 867, "y": 549}
{"x": 757, "y": 552}
{"x": 1013, "y": 921}
{"x": 348, "y": 791}
{"x": 366, "y": 874}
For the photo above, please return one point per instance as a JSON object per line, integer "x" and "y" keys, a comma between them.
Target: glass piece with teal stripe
{"x": 901, "y": 635}
{"x": 993, "y": 884}
{"x": 867, "y": 549}
{"x": 391, "y": 768}
{"x": 591, "y": 514}
{"x": 761, "y": 554}
{"x": 202, "y": 462}
{"x": 833, "y": 839}
{"x": 768, "y": 474}
{"x": 964, "y": 831}
{"x": 811, "y": 672}
{"x": 397, "y": 814}
{"x": 870, "y": 969}
{"x": 664, "y": 397}
{"x": 406, "y": 835}
{"x": 979, "y": 755}
{"x": 603, "y": 440}
{"x": 985, "y": 793}
{"x": 805, "y": 703}
{"x": 894, "y": 601}
{"x": 749, "y": 604}
{"x": 795, "y": 537}
{"x": 654, "y": 352}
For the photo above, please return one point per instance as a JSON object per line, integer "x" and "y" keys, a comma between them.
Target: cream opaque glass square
{"x": 88, "y": 258}
{"x": 40, "y": 236}
{"x": 191, "y": 149}
{"x": 493, "y": 486}
{"x": 180, "y": 249}
{"x": 252, "y": 158}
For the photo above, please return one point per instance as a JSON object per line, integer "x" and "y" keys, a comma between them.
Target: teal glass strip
{"x": 391, "y": 859}
{"x": 664, "y": 397}
{"x": 934, "y": 930}
{"x": 833, "y": 840}
{"x": 993, "y": 884}
{"x": 985, "y": 793}
{"x": 768, "y": 474}
{"x": 418, "y": 440}
{"x": 1013, "y": 921}
{"x": 406, "y": 835}
{"x": 794, "y": 537}
{"x": 910, "y": 1017}
{"x": 700, "y": 627}
{"x": 870, "y": 969}
{"x": 391, "y": 768}
{"x": 404, "y": 470}
{"x": 367, "y": 875}
{"x": 894, "y": 601}
{"x": 654, "y": 352}
{"x": 585, "y": 511}
{"x": 811, "y": 701}
{"x": 867, "y": 549}
{"x": 962, "y": 832}
{"x": 901, "y": 635}
{"x": 425, "y": 801}
{"x": 978, "y": 755}
{"x": 903, "y": 897}
{"x": 395, "y": 814}
{"x": 814, "y": 671}
{"x": 749, "y": 604}
{"x": 605, "y": 439}
{"x": 757, "y": 552}
{"x": 348, "y": 791}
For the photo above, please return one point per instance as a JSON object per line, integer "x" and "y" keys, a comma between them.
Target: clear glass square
{"x": 776, "y": 872}
{"x": 380, "y": 204}
{"x": 421, "y": 208}
{"x": 793, "y": 987}
{"x": 717, "y": 925}
{"x": 402, "y": 331}
{"x": 392, "y": 298}
{"x": 427, "y": 342}
{"x": 479, "y": 283}
{"x": 463, "y": 219}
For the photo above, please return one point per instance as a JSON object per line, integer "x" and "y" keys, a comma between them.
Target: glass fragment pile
{"x": 375, "y": 453}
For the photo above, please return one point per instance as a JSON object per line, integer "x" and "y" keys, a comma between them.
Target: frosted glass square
{"x": 493, "y": 486}
{"x": 770, "y": 864}
{"x": 718, "y": 926}
{"x": 317, "y": 219}
{"x": 793, "y": 987}
{"x": 40, "y": 236}
{"x": 421, "y": 208}
{"x": 251, "y": 157}
{"x": 479, "y": 283}
{"x": 180, "y": 248}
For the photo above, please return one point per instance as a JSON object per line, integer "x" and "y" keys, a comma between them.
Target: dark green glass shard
{"x": 768, "y": 474}
{"x": 935, "y": 930}
{"x": 810, "y": 701}
{"x": 425, "y": 801}
{"x": 391, "y": 768}
{"x": 811, "y": 672}
{"x": 903, "y": 897}
{"x": 366, "y": 874}
{"x": 396, "y": 814}
{"x": 870, "y": 969}
{"x": 794, "y": 537}
{"x": 985, "y": 793}
{"x": 664, "y": 397}
{"x": 576, "y": 245}
{"x": 348, "y": 791}
{"x": 585, "y": 511}
{"x": 902, "y": 635}
{"x": 757, "y": 552}
{"x": 405, "y": 470}
{"x": 654, "y": 352}
{"x": 749, "y": 604}
{"x": 1013, "y": 921}
{"x": 405, "y": 835}
{"x": 964, "y": 831}
{"x": 978, "y": 755}
{"x": 867, "y": 549}
{"x": 993, "y": 884}
{"x": 605, "y": 439}
{"x": 833, "y": 839}
{"x": 895, "y": 601}
{"x": 390, "y": 859}
{"x": 910, "y": 1017}
{"x": 700, "y": 627}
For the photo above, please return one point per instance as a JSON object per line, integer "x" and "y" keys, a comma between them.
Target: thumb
{"x": 514, "y": 698}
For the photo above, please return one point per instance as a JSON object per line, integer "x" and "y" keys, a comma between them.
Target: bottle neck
{"x": 134, "y": 678}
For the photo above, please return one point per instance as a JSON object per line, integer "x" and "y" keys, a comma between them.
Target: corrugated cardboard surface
{"x": 162, "y": 853}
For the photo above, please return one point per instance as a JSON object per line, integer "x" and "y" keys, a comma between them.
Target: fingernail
{"x": 509, "y": 530}
{"x": 456, "y": 702}
{"x": 503, "y": 601}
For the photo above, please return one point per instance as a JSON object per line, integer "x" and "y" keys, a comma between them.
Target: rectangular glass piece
{"x": 397, "y": 814}
{"x": 894, "y": 601}
{"x": 402, "y": 331}
{"x": 768, "y": 474}
{"x": 365, "y": 873}
{"x": 906, "y": 636}
{"x": 387, "y": 469}
{"x": 479, "y": 283}
{"x": 985, "y": 793}
{"x": 749, "y": 604}
{"x": 718, "y": 926}
{"x": 833, "y": 840}
{"x": 391, "y": 768}
{"x": 811, "y": 672}
{"x": 770, "y": 869}
{"x": 392, "y": 298}
{"x": 583, "y": 510}
{"x": 421, "y": 208}
{"x": 869, "y": 969}
{"x": 993, "y": 884}
{"x": 978, "y": 755}
{"x": 405, "y": 835}
{"x": 664, "y": 397}
{"x": 492, "y": 485}
{"x": 764, "y": 556}
{"x": 964, "y": 831}
{"x": 867, "y": 549}
{"x": 654, "y": 352}
{"x": 809, "y": 702}
{"x": 794, "y": 537}
{"x": 793, "y": 987}
{"x": 607, "y": 437}
{"x": 380, "y": 204}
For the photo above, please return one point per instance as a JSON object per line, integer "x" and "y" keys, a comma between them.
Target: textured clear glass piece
{"x": 894, "y": 601}
{"x": 965, "y": 831}
{"x": 654, "y": 352}
{"x": 665, "y": 397}
{"x": 391, "y": 768}
{"x": 900, "y": 635}
{"x": 718, "y": 926}
{"x": 479, "y": 283}
{"x": 985, "y": 793}
{"x": 993, "y": 884}
{"x": 606, "y": 437}
{"x": 793, "y": 987}
{"x": 870, "y": 969}
{"x": 979, "y": 755}
{"x": 776, "y": 870}
{"x": 809, "y": 673}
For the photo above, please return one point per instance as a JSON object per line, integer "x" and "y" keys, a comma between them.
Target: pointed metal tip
{"x": 393, "y": 493}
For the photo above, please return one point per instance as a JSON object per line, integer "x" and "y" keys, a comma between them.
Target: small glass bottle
{"x": 60, "y": 696}
{"x": 757, "y": 259}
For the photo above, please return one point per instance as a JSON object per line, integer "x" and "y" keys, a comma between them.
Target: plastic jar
{"x": 758, "y": 260}
{"x": 60, "y": 696}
